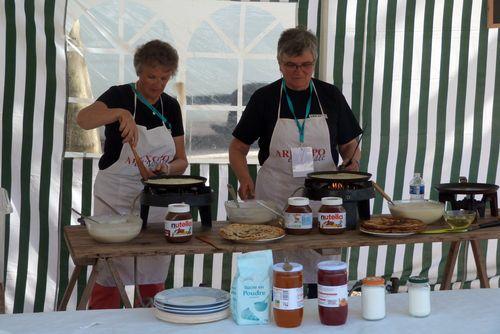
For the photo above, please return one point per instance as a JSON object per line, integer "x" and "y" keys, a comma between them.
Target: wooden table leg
{"x": 450, "y": 265}
{"x": 119, "y": 283}
{"x": 82, "y": 305}
{"x": 137, "y": 291}
{"x": 2, "y": 299}
{"x": 480, "y": 265}
{"x": 69, "y": 289}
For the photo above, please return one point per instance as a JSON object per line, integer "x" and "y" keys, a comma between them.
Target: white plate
{"x": 387, "y": 234}
{"x": 192, "y": 297}
{"x": 191, "y": 319}
{"x": 191, "y": 311}
{"x": 174, "y": 308}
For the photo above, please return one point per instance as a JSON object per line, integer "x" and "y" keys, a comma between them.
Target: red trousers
{"x": 104, "y": 297}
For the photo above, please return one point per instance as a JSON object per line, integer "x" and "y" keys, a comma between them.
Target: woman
{"x": 138, "y": 114}
{"x": 294, "y": 115}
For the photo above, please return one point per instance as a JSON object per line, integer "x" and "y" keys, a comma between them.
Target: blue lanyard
{"x": 301, "y": 127}
{"x": 150, "y": 106}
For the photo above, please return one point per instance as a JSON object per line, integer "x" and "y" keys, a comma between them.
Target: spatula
{"x": 145, "y": 174}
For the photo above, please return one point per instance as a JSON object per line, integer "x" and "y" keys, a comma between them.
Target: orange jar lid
{"x": 373, "y": 280}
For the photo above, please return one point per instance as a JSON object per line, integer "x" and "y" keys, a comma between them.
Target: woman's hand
{"x": 128, "y": 128}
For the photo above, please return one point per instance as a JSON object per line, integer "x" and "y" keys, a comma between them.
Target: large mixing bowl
{"x": 250, "y": 212}
{"x": 425, "y": 210}
{"x": 114, "y": 228}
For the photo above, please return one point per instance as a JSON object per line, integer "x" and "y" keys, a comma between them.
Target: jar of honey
{"x": 332, "y": 292}
{"x": 298, "y": 216}
{"x": 288, "y": 294}
{"x": 178, "y": 223}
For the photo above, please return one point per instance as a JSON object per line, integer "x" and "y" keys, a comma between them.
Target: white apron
{"x": 275, "y": 181}
{"x": 119, "y": 184}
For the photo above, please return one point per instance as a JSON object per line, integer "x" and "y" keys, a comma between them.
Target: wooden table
{"x": 85, "y": 251}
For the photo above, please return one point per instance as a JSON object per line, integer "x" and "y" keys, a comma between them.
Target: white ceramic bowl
{"x": 250, "y": 212}
{"x": 425, "y": 210}
{"x": 114, "y": 228}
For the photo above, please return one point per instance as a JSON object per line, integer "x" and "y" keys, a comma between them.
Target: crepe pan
{"x": 197, "y": 181}
{"x": 466, "y": 188}
{"x": 332, "y": 178}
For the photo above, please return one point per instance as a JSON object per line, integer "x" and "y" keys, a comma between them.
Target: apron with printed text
{"x": 119, "y": 185}
{"x": 275, "y": 181}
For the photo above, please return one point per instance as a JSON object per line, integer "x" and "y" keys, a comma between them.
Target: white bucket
{"x": 5, "y": 209}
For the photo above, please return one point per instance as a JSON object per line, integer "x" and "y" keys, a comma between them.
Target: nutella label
{"x": 178, "y": 228}
{"x": 298, "y": 220}
{"x": 331, "y": 220}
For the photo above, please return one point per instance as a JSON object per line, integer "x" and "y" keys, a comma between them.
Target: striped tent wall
{"x": 32, "y": 109}
{"x": 423, "y": 78}
{"x": 215, "y": 270}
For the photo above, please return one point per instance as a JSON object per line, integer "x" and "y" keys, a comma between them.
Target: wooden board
{"x": 316, "y": 240}
{"x": 84, "y": 250}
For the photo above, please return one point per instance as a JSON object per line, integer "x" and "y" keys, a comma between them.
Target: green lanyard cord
{"x": 301, "y": 127}
{"x": 150, "y": 106}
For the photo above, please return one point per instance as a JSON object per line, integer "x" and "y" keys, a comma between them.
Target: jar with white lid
{"x": 298, "y": 216}
{"x": 373, "y": 298}
{"x": 419, "y": 296}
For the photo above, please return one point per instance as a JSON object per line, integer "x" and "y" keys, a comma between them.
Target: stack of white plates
{"x": 191, "y": 305}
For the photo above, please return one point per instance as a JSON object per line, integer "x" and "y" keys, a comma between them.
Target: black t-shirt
{"x": 261, "y": 114}
{"x": 123, "y": 97}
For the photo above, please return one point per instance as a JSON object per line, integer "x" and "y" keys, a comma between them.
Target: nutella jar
{"x": 298, "y": 216}
{"x": 331, "y": 216}
{"x": 178, "y": 223}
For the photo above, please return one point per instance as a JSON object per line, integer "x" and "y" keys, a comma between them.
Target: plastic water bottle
{"x": 417, "y": 187}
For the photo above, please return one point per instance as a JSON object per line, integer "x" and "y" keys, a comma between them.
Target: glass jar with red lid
{"x": 288, "y": 294}
{"x": 332, "y": 292}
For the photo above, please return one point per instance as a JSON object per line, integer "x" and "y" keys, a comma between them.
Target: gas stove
{"x": 356, "y": 196}
{"x": 198, "y": 196}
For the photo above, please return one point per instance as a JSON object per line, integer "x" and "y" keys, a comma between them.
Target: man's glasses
{"x": 304, "y": 66}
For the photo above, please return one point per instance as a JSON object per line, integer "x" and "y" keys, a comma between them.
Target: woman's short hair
{"x": 295, "y": 41}
{"x": 155, "y": 53}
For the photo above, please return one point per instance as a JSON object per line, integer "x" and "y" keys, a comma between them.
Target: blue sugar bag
{"x": 251, "y": 288}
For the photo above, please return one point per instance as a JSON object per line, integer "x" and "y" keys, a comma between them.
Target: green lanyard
{"x": 302, "y": 126}
{"x": 150, "y": 106}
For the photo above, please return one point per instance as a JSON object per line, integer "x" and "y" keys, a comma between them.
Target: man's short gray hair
{"x": 295, "y": 41}
{"x": 155, "y": 53}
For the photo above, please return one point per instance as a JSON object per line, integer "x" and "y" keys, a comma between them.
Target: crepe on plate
{"x": 393, "y": 225}
{"x": 250, "y": 232}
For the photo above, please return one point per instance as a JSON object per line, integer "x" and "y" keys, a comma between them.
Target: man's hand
{"x": 246, "y": 190}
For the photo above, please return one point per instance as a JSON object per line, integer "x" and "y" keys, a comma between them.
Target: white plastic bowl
{"x": 250, "y": 212}
{"x": 114, "y": 228}
{"x": 425, "y": 210}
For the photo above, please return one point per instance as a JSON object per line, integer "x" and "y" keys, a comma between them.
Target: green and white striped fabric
{"x": 424, "y": 77}
{"x": 32, "y": 109}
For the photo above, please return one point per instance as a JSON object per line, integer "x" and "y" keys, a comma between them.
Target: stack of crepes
{"x": 393, "y": 225}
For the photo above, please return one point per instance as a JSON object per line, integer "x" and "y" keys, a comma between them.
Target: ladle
{"x": 262, "y": 204}
{"x": 382, "y": 192}
{"x": 84, "y": 217}
{"x": 232, "y": 192}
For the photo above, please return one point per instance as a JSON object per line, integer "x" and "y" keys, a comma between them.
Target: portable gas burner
{"x": 164, "y": 190}
{"x": 354, "y": 188}
{"x": 448, "y": 193}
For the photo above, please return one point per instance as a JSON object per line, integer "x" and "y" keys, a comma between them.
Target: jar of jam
{"x": 288, "y": 294}
{"x": 332, "y": 292}
{"x": 298, "y": 216}
{"x": 331, "y": 216}
{"x": 178, "y": 223}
